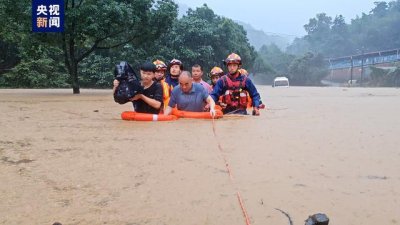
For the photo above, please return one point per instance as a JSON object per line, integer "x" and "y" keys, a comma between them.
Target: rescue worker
{"x": 215, "y": 73}
{"x": 234, "y": 87}
{"x": 175, "y": 67}
{"x": 161, "y": 68}
{"x": 261, "y": 106}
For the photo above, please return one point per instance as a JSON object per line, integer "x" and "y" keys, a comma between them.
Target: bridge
{"x": 365, "y": 59}
{"x": 349, "y": 68}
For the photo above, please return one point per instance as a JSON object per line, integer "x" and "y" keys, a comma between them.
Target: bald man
{"x": 189, "y": 96}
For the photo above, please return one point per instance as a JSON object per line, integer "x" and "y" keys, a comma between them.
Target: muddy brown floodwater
{"x": 70, "y": 158}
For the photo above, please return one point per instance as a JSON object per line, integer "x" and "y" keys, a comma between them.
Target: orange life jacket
{"x": 249, "y": 101}
{"x": 235, "y": 95}
{"x": 166, "y": 92}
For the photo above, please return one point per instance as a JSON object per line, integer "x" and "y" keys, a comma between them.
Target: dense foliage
{"x": 99, "y": 34}
{"x": 326, "y": 38}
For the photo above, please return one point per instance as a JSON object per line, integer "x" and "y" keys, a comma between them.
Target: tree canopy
{"x": 98, "y": 34}
{"x": 378, "y": 30}
{"x": 329, "y": 37}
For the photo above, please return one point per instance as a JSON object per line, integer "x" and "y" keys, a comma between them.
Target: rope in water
{"x": 228, "y": 169}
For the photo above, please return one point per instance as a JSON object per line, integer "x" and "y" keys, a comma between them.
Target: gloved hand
{"x": 212, "y": 112}
{"x": 256, "y": 111}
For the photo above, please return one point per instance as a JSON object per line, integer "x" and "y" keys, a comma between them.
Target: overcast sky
{"x": 283, "y": 16}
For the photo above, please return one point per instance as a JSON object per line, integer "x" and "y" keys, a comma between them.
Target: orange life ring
{"x": 130, "y": 115}
{"x": 196, "y": 115}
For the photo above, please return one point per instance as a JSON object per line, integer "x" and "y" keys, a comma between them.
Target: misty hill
{"x": 379, "y": 30}
{"x": 258, "y": 38}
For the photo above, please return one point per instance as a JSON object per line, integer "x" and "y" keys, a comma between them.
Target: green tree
{"x": 93, "y": 25}
{"x": 9, "y": 56}
{"x": 318, "y": 30}
{"x": 205, "y": 38}
{"x": 40, "y": 67}
{"x": 308, "y": 69}
{"x": 317, "y": 39}
{"x": 263, "y": 73}
{"x": 380, "y": 9}
{"x": 8, "y": 48}
{"x": 319, "y": 25}
{"x": 378, "y": 30}
{"x": 105, "y": 24}
{"x": 299, "y": 46}
{"x": 101, "y": 33}
{"x": 279, "y": 61}
{"x": 95, "y": 71}
{"x": 233, "y": 38}
{"x": 381, "y": 27}
{"x": 396, "y": 76}
{"x": 339, "y": 41}
{"x": 384, "y": 77}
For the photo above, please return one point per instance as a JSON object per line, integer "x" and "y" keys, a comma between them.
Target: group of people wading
{"x": 166, "y": 87}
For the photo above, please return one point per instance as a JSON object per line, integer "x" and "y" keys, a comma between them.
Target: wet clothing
{"x": 172, "y": 82}
{"x": 166, "y": 92}
{"x": 205, "y": 85}
{"x": 193, "y": 101}
{"x": 232, "y": 110}
{"x": 155, "y": 91}
{"x": 221, "y": 87}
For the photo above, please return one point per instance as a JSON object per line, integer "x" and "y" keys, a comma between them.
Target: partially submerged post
{"x": 317, "y": 219}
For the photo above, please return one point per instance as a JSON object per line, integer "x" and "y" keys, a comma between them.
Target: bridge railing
{"x": 366, "y": 59}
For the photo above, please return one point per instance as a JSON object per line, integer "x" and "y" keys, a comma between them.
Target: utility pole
{"x": 330, "y": 66}
{"x": 351, "y": 71}
{"x": 362, "y": 66}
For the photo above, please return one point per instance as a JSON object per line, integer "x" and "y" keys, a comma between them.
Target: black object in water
{"x": 317, "y": 219}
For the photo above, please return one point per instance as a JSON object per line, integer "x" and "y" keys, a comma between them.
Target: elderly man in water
{"x": 189, "y": 96}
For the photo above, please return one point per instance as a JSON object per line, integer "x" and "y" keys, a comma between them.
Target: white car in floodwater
{"x": 281, "y": 82}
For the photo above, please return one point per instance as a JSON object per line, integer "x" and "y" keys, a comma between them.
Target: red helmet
{"x": 233, "y": 58}
{"x": 176, "y": 62}
{"x": 243, "y": 72}
{"x": 216, "y": 71}
{"x": 160, "y": 65}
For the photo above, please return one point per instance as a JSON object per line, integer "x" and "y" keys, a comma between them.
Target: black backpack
{"x": 129, "y": 84}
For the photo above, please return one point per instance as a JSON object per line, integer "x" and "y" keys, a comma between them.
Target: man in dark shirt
{"x": 151, "y": 99}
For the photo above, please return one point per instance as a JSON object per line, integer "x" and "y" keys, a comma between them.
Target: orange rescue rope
{"x": 245, "y": 215}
